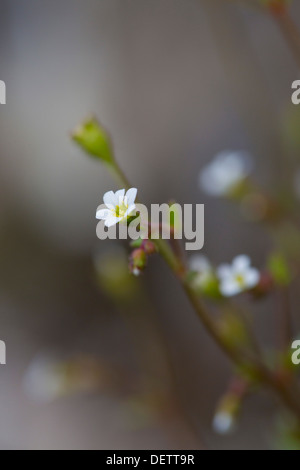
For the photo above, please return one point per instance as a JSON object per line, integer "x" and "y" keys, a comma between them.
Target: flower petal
{"x": 130, "y": 209}
{"x": 119, "y": 197}
{"x": 241, "y": 263}
{"x": 223, "y": 422}
{"x": 224, "y": 271}
{"x": 131, "y": 195}
{"x": 111, "y": 221}
{"x": 230, "y": 287}
{"x": 109, "y": 199}
{"x": 252, "y": 277}
{"x": 200, "y": 263}
{"x": 102, "y": 214}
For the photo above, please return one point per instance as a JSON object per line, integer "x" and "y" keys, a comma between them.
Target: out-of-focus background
{"x": 175, "y": 82}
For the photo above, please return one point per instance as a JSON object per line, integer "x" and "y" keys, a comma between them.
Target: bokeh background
{"x": 175, "y": 82}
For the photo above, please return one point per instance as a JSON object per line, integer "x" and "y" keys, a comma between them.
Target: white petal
{"x": 119, "y": 196}
{"x": 230, "y": 287}
{"x": 130, "y": 209}
{"x": 252, "y": 277}
{"x": 224, "y": 271}
{"x": 241, "y": 263}
{"x": 109, "y": 199}
{"x": 111, "y": 221}
{"x": 226, "y": 170}
{"x": 222, "y": 423}
{"x": 131, "y": 195}
{"x": 102, "y": 214}
{"x": 208, "y": 184}
{"x": 199, "y": 263}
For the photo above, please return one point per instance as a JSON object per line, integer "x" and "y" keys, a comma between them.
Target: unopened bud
{"x": 94, "y": 140}
{"x": 138, "y": 261}
{"x": 264, "y": 286}
{"x": 228, "y": 409}
{"x": 149, "y": 247}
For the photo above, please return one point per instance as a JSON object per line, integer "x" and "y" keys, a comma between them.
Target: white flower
{"x": 44, "y": 380}
{"x": 237, "y": 277}
{"x": 202, "y": 266}
{"x": 226, "y": 170}
{"x": 118, "y": 206}
{"x": 223, "y": 423}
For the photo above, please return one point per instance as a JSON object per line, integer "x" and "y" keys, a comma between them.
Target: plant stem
{"x": 237, "y": 356}
{"x": 118, "y": 174}
{"x": 289, "y": 30}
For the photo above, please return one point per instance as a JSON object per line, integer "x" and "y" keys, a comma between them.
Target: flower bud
{"x": 113, "y": 277}
{"x": 264, "y": 286}
{"x": 94, "y": 140}
{"x": 149, "y": 247}
{"x": 279, "y": 269}
{"x": 229, "y": 407}
{"x": 138, "y": 261}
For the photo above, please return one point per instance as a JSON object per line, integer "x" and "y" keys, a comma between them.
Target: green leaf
{"x": 279, "y": 269}
{"x": 94, "y": 140}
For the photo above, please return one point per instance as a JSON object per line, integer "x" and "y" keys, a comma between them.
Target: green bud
{"x": 279, "y": 269}
{"x": 113, "y": 277}
{"x": 233, "y": 330}
{"x": 205, "y": 284}
{"x": 94, "y": 140}
{"x": 136, "y": 243}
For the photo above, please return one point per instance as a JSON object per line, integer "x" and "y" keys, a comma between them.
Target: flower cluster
{"x": 232, "y": 278}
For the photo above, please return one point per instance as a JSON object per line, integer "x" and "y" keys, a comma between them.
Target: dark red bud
{"x": 264, "y": 285}
{"x": 149, "y": 247}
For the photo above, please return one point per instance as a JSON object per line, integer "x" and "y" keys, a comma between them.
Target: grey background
{"x": 175, "y": 81}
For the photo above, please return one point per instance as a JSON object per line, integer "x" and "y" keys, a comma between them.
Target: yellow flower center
{"x": 240, "y": 280}
{"x": 120, "y": 210}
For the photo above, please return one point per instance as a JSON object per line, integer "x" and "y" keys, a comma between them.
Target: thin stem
{"x": 289, "y": 30}
{"x": 237, "y": 356}
{"x": 118, "y": 174}
{"x": 288, "y": 27}
{"x": 284, "y": 317}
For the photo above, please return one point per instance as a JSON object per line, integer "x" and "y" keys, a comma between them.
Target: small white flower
{"x": 223, "y": 423}
{"x": 237, "y": 277}
{"x": 118, "y": 206}
{"x": 44, "y": 380}
{"x": 136, "y": 272}
{"x": 202, "y": 266}
{"x": 226, "y": 170}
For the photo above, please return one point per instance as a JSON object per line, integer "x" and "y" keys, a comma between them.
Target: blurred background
{"x": 175, "y": 82}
